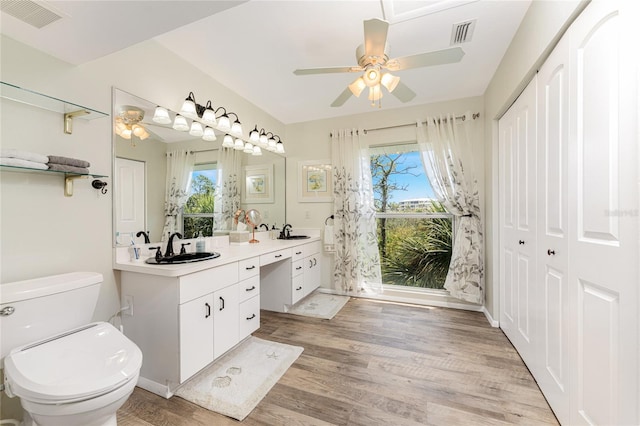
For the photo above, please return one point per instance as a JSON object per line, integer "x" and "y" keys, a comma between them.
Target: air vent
{"x": 462, "y": 32}
{"x": 30, "y": 12}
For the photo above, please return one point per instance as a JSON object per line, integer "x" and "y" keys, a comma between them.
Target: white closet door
{"x": 552, "y": 305}
{"x": 603, "y": 183}
{"x": 130, "y": 199}
{"x": 517, "y": 130}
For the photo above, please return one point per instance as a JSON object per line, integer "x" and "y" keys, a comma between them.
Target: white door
{"x": 129, "y": 199}
{"x": 196, "y": 335}
{"x": 552, "y": 373}
{"x": 517, "y": 130}
{"x": 603, "y": 239}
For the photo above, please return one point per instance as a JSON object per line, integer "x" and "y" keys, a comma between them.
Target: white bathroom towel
{"x": 17, "y": 162}
{"x": 23, "y": 155}
{"x": 328, "y": 234}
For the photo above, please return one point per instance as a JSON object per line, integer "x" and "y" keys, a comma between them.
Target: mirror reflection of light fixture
{"x": 161, "y": 116}
{"x": 256, "y": 150}
{"x": 196, "y": 129}
{"x": 238, "y": 144}
{"x": 254, "y": 135}
{"x": 227, "y": 141}
{"x": 209, "y": 134}
{"x": 127, "y": 124}
{"x": 248, "y": 148}
{"x": 180, "y": 124}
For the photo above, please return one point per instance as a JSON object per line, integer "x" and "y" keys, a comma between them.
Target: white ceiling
{"x": 253, "y": 47}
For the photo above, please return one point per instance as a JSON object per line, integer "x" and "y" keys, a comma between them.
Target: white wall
{"x": 541, "y": 28}
{"x": 45, "y": 233}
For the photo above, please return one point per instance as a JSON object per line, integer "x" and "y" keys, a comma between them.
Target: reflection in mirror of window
{"x": 197, "y": 213}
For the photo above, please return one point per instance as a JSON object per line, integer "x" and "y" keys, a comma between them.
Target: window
{"x": 414, "y": 229}
{"x": 197, "y": 213}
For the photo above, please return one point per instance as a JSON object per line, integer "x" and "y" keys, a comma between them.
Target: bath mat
{"x": 319, "y": 305}
{"x": 237, "y": 382}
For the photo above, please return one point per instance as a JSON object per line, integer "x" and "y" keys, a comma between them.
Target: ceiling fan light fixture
{"x": 161, "y": 116}
{"x": 357, "y": 87}
{"x": 209, "y": 134}
{"x": 389, "y": 81}
{"x": 371, "y": 76}
{"x": 375, "y": 94}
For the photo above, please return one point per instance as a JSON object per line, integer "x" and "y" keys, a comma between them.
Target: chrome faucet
{"x": 169, "y": 252}
{"x": 285, "y": 233}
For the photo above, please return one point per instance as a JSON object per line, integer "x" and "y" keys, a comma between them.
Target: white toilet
{"x": 65, "y": 370}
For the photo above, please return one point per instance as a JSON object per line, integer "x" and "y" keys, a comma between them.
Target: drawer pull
{"x": 248, "y": 268}
{"x": 298, "y": 268}
{"x": 251, "y": 317}
{"x": 299, "y": 288}
{"x": 253, "y": 287}
{"x": 298, "y": 252}
{"x": 277, "y": 256}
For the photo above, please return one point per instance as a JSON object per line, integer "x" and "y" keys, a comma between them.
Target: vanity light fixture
{"x": 224, "y": 123}
{"x": 209, "y": 135}
{"x": 209, "y": 115}
{"x": 196, "y": 129}
{"x": 236, "y": 127}
{"x": 254, "y": 135}
{"x": 161, "y": 116}
{"x": 227, "y": 141}
{"x": 256, "y": 150}
{"x": 248, "y": 148}
{"x": 189, "y": 106}
{"x": 180, "y": 124}
{"x": 238, "y": 144}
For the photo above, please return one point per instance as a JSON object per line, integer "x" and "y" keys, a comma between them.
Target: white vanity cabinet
{"x": 312, "y": 274}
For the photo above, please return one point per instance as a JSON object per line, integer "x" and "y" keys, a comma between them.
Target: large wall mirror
{"x": 140, "y": 150}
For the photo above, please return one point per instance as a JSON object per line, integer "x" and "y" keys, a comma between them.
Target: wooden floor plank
{"x": 379, "y": 363}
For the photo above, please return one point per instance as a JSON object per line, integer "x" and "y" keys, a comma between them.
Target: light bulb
{"x": 209, "y": 134}
{"x": 357, "y": 87}
{"x": 371, "y": 76}
{"x": 389, "y": 81}
{"x": 126, "y": 134}
{"x": 161, "y": 116}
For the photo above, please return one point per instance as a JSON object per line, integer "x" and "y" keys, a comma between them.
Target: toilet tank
{"x": 34, "y": 309}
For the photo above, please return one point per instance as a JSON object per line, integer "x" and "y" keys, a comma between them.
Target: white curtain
{"x": 179, "y": 168}
{"x": 447, "y": 154}
{"x": 357, "y": 260}
{"x": 227, "y": 199}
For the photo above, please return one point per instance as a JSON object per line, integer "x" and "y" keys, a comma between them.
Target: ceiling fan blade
{"x": 438, "y": 57}
{"x": 403, "y": 92}
{"x": 375, "y": 37}
{"x": 329, "y": 70}
{"x": 340, "y": 100}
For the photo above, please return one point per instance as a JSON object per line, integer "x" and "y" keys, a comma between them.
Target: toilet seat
{"x": 81, "y": 364}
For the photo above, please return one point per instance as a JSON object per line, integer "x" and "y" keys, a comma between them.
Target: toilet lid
{"x": 80, "y": 364}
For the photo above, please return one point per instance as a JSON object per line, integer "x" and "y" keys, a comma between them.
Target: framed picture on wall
{"x": 314, "y": 181}
{"x": 258, "y": 184}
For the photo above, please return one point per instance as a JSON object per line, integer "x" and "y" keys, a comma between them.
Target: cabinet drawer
{"x": 297, "y": 267}
{"x": 297, "y": 253}
{"x": 248, "y": 268}
{"x": 311, "y": 248}
{"x": 249, "y": 288}
{"x": 297, "y": 288}
{"x": 275, "y": 256}
{"x": 207, "y": 281}
{"x": 249, "y": 317}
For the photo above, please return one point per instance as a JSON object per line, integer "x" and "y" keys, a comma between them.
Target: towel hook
{"x": 101, "y": 185}
{"x": 327, "y": 219}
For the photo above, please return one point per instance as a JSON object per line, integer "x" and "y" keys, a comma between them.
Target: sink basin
{"x": 295, "y": 237}
{"x": 184, "y": 258}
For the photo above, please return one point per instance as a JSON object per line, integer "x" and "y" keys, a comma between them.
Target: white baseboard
{"x": 154, "y": 387}
{"x": 494, "y": 323}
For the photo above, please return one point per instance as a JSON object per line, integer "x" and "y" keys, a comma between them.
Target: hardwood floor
{"x": 379, "y": 363}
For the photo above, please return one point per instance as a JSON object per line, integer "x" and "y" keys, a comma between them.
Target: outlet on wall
{"x": 128, "y": 302}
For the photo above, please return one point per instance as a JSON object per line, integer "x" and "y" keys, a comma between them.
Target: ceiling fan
{"x": 374, "y": 63}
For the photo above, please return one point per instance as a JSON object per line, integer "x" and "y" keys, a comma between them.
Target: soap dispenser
{"x": 200, "y": 243}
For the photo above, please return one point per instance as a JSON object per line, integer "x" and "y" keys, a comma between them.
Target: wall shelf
{"x": 69, "y": 110}
{"x": 68, "y": 177}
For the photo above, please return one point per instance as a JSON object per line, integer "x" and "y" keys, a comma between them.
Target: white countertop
{"x": 228, "y": 253}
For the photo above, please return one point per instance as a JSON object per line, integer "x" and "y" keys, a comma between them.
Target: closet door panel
{"x": 604, "y": 239}
{"x": 552, "y": 257}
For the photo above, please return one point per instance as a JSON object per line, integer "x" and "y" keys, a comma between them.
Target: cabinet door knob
{"x": 277, "y": 256}
{"x": 251, "y": 317}
{"x": 521, "y": 242}
{"x": 248, "y": 268}
{"x": 551, "y": 252}
{"x": 221, "y": 303}
{"x": 315, "y": 261}
{"x": 208, "y": 314}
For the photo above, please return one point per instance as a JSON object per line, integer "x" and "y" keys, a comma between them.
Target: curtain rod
{"x": 195, "y": 152}
{"x": 462, "y": 117}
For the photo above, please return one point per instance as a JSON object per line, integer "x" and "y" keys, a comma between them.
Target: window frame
{"x": 199, "y": 167}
